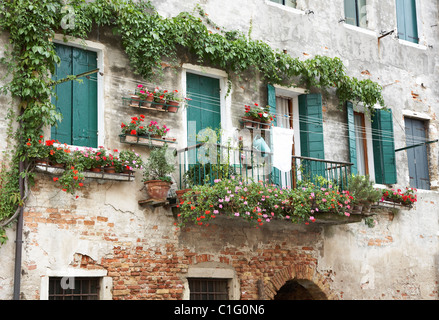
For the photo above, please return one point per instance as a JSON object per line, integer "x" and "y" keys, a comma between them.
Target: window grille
{"x": 74, "y": 288}
{"x": 208, "y": 289}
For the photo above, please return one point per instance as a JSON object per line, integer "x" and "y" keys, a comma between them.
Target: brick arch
{"x": 306, "y": 276}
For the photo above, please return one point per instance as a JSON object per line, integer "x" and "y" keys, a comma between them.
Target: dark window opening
{"x": 73, "y": 288}
{"x": 208, "y": 289}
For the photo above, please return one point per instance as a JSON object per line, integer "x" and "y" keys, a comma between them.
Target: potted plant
{"x": 128, "y": 161}
{"x": 406, "y": 198}
{"x": 155, "y": 131}
{"x": 145, "y": 96}
{"x": 256, "y": 115}
{"x": 159, "y": 97}
{"x": 156, "y": 174}
{"x": 172, "y": 101}
{"x": 134, "y": 129}
{"x": 362, "y": 189}
{"x": 39, "y": 151}
{"x": 58, "y": 156}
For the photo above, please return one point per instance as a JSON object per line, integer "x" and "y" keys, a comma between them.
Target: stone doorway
{"x": 300, "y": 290}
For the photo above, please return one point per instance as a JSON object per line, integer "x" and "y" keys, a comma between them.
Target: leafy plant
{"x": 155, "y": 129}
{"x": 135, "y": 127}
{"x": 172, "y": 96}
{"x": 130, "y": 160}
{"x": 362, "y": 188}
{"x": 159, "y": 165}
{"x": 200, "y": 174}
{"x": 259, "y": 203}
{"x": 407, "y": 198}
{"x": 259, "y": 113}
{"x": 31, "y": 60}
{"x": 71, "y": 180}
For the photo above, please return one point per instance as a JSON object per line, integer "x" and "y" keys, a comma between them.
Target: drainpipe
{"x": 19, "y": 239}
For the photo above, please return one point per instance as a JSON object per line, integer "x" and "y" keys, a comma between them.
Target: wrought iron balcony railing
{"x": 204, "y": 162}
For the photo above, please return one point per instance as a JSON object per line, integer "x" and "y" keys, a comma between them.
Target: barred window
{"x": 208, "y": 289}
{"x": 73, "y": 288}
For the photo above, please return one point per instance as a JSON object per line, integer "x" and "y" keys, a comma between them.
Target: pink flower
{"x": 347, "y": 214}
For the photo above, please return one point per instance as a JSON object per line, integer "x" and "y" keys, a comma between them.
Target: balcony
{"x": 206, "y": 164}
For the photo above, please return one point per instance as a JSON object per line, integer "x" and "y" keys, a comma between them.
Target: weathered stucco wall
{"x": 104, "y": 230}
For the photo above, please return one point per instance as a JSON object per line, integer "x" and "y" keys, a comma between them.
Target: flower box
{"x": 146, "y": 140}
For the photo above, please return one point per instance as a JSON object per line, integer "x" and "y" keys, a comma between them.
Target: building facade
{"x": 112, "y": 245}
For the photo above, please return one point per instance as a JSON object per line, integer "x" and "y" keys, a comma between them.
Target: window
{"x": 406, "y": 20}
{"x": 288, "y": 3}
{"x": 74, "y": 288}
{"x": 76, "y": 101}
{"x": 284, "y": 119}
{"x": 361, "y": 143}
{"x": 383, "y": 147}
{"x": 417, "y": 156}
{"x": 355, "y": 12}
{"x": 208, "y": 289}
{"x": 371, "y": 144}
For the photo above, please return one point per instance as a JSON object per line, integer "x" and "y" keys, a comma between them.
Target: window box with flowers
{"x": 259, "y": 203}
{"x": 257, "y": 117}
{"x": 156, "y": 100}
{"x": 71, "y": 167}
{"x": 399, "y": 197}
{"x": 136, "y": 132}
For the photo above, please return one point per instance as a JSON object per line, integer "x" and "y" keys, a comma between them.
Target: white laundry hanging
{"x": 282, "y": 139}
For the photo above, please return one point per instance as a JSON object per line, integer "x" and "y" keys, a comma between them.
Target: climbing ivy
{"x": 147, "y": 38}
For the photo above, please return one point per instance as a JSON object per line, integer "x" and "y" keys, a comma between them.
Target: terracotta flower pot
{"x": 109, "y": 169}
{"x": 96, "y": 169}
{"x": 247, "y": 122}
{"x": 147, "y": 102}
{"x": 180, "y": 194}
{"x": 157, "y": 189}
{"x": 57, "y": 165}
{"x": 159, "y": 104}
{"x": 130, "y": 138}
{"x": 135, "y": 99}
{"x": 173, "y": 106}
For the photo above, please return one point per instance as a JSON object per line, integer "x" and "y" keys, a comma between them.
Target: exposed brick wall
{"x": 152, "y": 263}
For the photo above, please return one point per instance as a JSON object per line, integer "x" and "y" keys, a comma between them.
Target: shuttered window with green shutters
{"x": 383, "y": 147}
{"x": 311, "y": 134}
{"x": 311, "y": 126}
{"x": 76, "y": 101}
{"x": 351, "y": 137}
{"x": 271, "y": 99}
{"x": 406, "y": 20}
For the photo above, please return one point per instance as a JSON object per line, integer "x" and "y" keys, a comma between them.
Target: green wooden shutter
{"x": 85, "y": 101}
{"x": 271, "y": 99}
{"x": 383, "y": 147}
{"x": 77, "y": 102}
{"x": 406, "y": 20}
{"x": 350, "y": 11}
{"x": 311, "y": 126}
{"x": 63, "y": 99}
{"x": 351, "y": 137}
{"x": 311, "y": 135}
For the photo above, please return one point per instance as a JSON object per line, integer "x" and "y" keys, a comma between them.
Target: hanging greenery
{"x": 147, "y": 39}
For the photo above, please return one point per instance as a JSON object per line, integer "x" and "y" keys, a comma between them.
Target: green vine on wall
{"x": 147, "y": 39}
